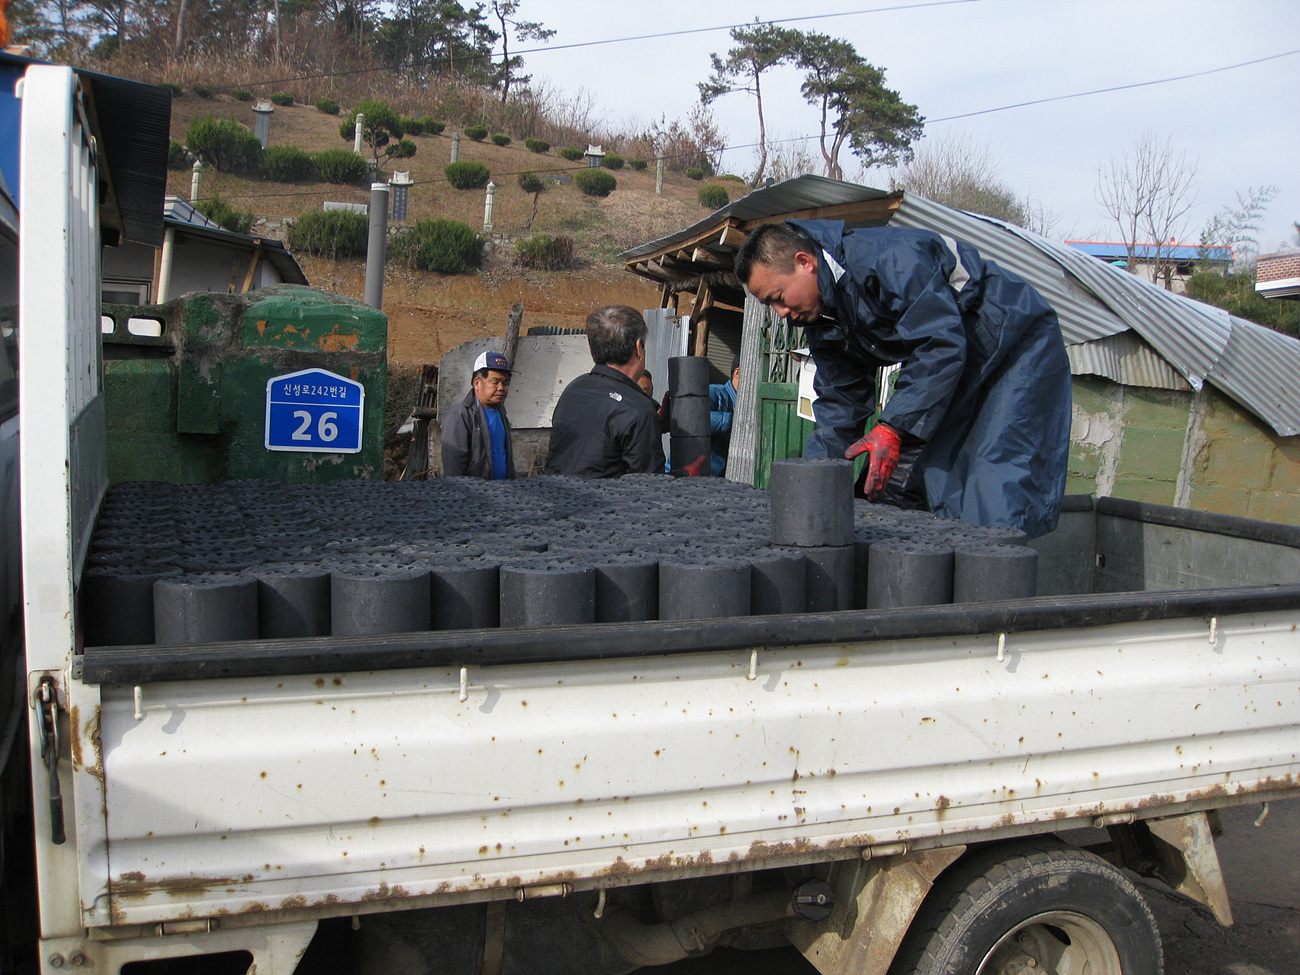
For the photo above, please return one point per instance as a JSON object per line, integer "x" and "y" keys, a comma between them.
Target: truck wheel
{"x": 1032, "y": 909}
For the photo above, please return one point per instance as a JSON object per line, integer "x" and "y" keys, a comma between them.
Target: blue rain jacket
{"x": 984, "y": 379}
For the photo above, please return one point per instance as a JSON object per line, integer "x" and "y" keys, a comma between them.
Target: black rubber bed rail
{"x": 1210, "y": 522}
{"x": 597, "y": 641}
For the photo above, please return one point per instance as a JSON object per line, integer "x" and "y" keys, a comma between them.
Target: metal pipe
{"x": 165, "y": 266}
{"x": 376, "y": 249}
{"x": 669, "y": 941}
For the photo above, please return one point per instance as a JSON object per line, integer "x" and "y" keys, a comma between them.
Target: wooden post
{"x": 700, "y": 315}
{"x": 513, "y": 321}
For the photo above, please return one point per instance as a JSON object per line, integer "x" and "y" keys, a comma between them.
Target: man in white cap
{"x": 476, "y": 431}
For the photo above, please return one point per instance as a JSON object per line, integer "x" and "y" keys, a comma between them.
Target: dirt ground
{"x": 429, "y": 314}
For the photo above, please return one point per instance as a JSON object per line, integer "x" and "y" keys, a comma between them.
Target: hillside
{"x": 430, "y": 313}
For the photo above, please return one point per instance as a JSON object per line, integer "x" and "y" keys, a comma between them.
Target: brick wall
{"x": 1277, "y": 267}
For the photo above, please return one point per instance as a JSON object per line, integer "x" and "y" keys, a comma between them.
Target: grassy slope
{"x": 632, "y": 215}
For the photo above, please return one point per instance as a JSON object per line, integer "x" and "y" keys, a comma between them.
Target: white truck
{"x": 887, "y": 790}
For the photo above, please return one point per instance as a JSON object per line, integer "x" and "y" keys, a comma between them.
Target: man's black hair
{"x": 612, "y": 334}
{"x": 773, "y": 245}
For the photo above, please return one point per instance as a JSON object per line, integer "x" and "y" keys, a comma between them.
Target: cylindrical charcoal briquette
{"x": 547, "y": 594}
{"x": 830, "y": 577}
{"x": 293, "y": 599}
{"x": 117, "y": 603}
{"x": 204, "y": 608}
{"x": 465, "y": 594}
{"x": 778, "y": 581}
{"x": 983, "y": 573}
{"x": 909, "y": 573}
{"x": 703, "y": 589}
{"x": 627, "y": 588}
{"x": 812, "y": 502}
{"x": 372, "y": 599}
{"x": 690, "y": 416}
{"x": 684, "y": 452}
{"x": 688, "y": 375}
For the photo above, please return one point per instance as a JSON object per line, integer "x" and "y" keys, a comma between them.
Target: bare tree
{"x": 788, "y": 158}
{"x": 1149, "y": 195}
{"x": 959, "y": 172}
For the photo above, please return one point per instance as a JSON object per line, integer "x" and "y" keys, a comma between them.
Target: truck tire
{"x": 1036, "y": 907}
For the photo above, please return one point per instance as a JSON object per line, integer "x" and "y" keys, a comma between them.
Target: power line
{"x": 1102, "y": 91}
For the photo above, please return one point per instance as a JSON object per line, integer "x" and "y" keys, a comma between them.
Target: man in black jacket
{"x": 476, "y": 431}
{"x": 603, "y": 424}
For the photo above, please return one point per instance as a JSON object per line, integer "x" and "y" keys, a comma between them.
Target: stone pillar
{"x": 377, "y": 247}
{"x": 262, "y": 122}
{"x": 489, "y": 204}
{"x": 358, "y": 137}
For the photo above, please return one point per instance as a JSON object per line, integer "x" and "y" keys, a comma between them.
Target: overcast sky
{"x": 1239, "y": 126}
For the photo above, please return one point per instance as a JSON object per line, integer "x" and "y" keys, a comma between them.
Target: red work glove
{"x": 665, "y": 411}
{"x": 883, "y": 443}
{"x": 695, "y": 467}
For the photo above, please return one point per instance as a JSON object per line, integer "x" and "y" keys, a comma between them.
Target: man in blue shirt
{"x": 722, "y": 407}
{"x": 476, "y": 431}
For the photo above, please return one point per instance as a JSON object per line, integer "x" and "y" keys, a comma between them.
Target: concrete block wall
{"x": 1191, "y": 450}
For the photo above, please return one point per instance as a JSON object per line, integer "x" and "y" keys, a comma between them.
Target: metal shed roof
{"x": 1100, "y": 307}
{"x": 182, "y": 215}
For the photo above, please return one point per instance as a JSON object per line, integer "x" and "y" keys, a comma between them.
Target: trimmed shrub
{"x": 431, "y": 125}
{"x": 446, "y": 246}
{"x": 242, "y": 95}
{"x": 571, "y": 154}
{"x": 694, "y": 172}
{"x": 467, "y": 175}
{"x": 412, "y": 126}
{"x": 501, "y": 140}
{"x": 545, "y": 252}
{"x": 637, "y": 164}
{"x": 236, "y": 221}
{"x": 177, "y": 156}
{"x": 286, "y": 164}
{"x": 282, "y": 99}
{"x": 732, "y": 178}
{"x": 713, "y": 196}
{"x": 537, "y": 145}
{"x": 203, "y": 91}
{"x": 612, "y": 160}
{"x": 176, "y": 90}
{"x": 531, "y": 183}
{"x": 327, "y": 106}
{"x": 595, "y": 182}
{"x": 340, "y": 166}
{"x": 476, "y": 132}
{"x": 330, "y": 233}
{"x": 223, "y": 144}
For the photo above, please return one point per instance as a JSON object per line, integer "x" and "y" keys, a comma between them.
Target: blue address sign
{"x": 314, "y": 411}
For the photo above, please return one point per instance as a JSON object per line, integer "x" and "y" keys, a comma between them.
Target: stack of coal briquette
{"x": 182, "y": 564}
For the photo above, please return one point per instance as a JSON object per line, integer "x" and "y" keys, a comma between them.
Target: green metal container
{"x": 185, "y": 383}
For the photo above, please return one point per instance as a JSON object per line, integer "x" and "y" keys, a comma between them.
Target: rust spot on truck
{"x": 133, "y": 883}
{"x": 384, "y": 892}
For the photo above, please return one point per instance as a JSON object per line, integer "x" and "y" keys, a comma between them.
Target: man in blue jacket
{"x": 476, "y": 431}
{"x": 722, "y": 409}
{"x": 978, "y": 426}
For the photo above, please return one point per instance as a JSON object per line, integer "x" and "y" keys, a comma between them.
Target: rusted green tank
{"x": 186, "y": 383}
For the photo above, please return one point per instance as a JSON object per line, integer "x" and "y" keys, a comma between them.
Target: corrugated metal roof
{"x": 788, "y": 196}
{"x": 132, "y": 122}
{"x": 1257, "y": 367}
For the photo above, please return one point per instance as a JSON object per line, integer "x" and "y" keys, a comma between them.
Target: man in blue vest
{"x": 476, "y": 431}
{"x": 978, "y": 427}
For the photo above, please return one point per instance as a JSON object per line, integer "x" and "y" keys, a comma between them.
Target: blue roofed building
{"x": 1169, "y": 265}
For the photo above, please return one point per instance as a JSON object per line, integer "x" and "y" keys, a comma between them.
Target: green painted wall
{"x": 189, "y": 406}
